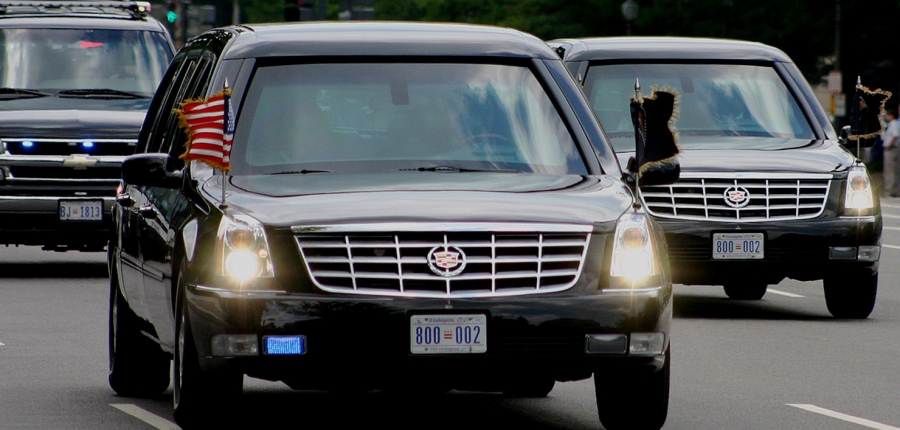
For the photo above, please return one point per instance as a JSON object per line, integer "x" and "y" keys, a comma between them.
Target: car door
{"x": 132, "y": 199}
{"x": 167, "y": 209}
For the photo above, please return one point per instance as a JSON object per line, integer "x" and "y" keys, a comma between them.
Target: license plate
{"x": 81, "y": 210}
{"x": 737, "y": 246}
{"x": 448, "y": 334}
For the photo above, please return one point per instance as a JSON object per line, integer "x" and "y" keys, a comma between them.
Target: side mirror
{"x": 852, "y": 144}
{"x": 150, "y": 170}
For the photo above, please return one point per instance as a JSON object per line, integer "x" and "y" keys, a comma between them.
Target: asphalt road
{"x": 778, "y": 363}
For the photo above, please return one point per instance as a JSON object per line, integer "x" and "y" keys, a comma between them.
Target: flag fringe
{"x": 879, "y": 91}
{"x": 183, "y": 123}
{"x": 676, "y": 112}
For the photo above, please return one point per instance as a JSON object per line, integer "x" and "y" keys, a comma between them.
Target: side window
{"x": 195, "y": 86}
{"x": 158, "y": 133}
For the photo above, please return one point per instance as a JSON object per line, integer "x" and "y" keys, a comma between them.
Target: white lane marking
{"x": 142, "y": 414}
{"x": 844, "y": 417}
{"x": 890, "y": 216}
{"x": 784, "y": 293}
{"x": 2, "y": 344}
{"x": 890, "y": 246}
{"x": 890, "y": 206}
{"x": 891, "y": 228}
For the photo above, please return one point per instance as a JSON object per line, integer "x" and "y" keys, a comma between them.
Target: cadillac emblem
{"x": 446, "y": 261}
{"x": 737, "y": 197}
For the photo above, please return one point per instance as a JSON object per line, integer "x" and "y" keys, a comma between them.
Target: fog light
{"x": 284, "y": 345}
{"x": 231, "y": 345}
{"x": 605, "y": 343}
{"x": 869, "y": 253}
{"x": 647, "y": 343}
{"x": 842, "y": 253}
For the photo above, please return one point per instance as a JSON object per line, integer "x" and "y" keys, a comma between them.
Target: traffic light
{"x": 172, "y": 13}
{"x": 298, "y": 10}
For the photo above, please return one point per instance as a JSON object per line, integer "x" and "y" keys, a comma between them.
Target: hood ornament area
{"x": 446, "y": 261}
{"x": 737, "y": 197}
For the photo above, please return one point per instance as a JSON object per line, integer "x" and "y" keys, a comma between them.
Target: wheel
{"x": 745, "y": 290}
{"x": 199, "y": 396}
{"x": 529, "y": 388}
{"x": 633, "y": 399}
{"x": 137, "y": 366}
{"x": 850, "y": 295}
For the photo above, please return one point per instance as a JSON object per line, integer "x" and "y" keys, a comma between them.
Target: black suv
{"x": 767, "y": 189}
{"x": 410, "y": 207}
{"x": 76, "y": 81}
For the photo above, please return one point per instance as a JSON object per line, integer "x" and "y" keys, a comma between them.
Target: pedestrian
{"x": 891, "y": 155}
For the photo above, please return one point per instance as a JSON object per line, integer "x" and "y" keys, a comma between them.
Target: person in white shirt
{"x": 891, "y": 155}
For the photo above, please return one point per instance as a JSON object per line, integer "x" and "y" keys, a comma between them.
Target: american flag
{"x": 210, "y": 127}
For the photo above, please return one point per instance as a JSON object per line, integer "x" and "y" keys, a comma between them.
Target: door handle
{"x": 148, "y": 212}
{"x": 124, "y": 200}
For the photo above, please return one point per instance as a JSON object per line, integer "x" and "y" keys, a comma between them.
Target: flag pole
{"x": 862, "y": 118}
{"x": 225, "y": 125}
{"x": 637, "y": 174}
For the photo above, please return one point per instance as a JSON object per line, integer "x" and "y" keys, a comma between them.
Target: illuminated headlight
{"x": 859, "y": 189}
{"x": 634, "y": 250}
{"x": 244, "y": 248}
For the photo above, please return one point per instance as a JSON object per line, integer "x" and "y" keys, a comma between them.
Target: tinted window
{"x": 65, "y": 59}
{"x": 388, "y": 117}
{"x": 715, "y": 101}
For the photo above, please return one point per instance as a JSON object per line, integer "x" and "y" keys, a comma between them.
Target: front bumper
{"x": 36, "y": 221}
{"x": 366, "y": 340}
{"x": 804, "y": 250}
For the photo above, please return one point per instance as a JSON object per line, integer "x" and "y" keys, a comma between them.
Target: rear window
{"x": 716, "y": 100}
{"x": 377, "y": 117}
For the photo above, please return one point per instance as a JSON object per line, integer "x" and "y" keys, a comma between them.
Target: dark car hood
{"x": 821, "y": 156}
{"x": 327, "y": 198}
{"x": 71, "y": 124}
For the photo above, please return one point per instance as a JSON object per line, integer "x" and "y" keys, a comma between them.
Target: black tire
{"x": 745, "y": 290}
{"x": 633, "y": 400}
{"x": 529, "y": 388}
{"x": 851, "y": 296}
{"x": 200, "y": 397}
{"x": 137, "y": 365}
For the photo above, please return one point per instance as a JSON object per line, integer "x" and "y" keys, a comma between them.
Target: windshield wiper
{"x": 451, "y": 169}
{"x": 7, "y": 93}
{"x": 100, "y": 93}
{"x": 301, "y": 172}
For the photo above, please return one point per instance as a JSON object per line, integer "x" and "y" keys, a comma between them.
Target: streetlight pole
{"x": 630, "y": 11}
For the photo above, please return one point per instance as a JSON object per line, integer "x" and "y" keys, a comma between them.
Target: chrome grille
{"x": 392, "y": 260}
{"x": 769, "y": 197}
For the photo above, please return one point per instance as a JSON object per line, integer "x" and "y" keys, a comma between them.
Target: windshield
{"x": 367, "y": 117}
{"x": 716, "y": 100}
{"x": 52, "y": 60}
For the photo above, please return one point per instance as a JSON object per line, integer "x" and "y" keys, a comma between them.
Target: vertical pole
{"x": 178, "y": 33}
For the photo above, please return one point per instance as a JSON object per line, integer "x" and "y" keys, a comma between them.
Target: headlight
{"x": 859, "y": 189}
{"x": 243, "y": 248}
{"x": 634, "y": 249}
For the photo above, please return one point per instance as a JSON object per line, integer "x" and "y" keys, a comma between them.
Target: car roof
{"x": 383, "y": 39}
{"x": 112, "y": 15}
{"x": 667, "y": 48}
{"x": 81, "y": 22}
